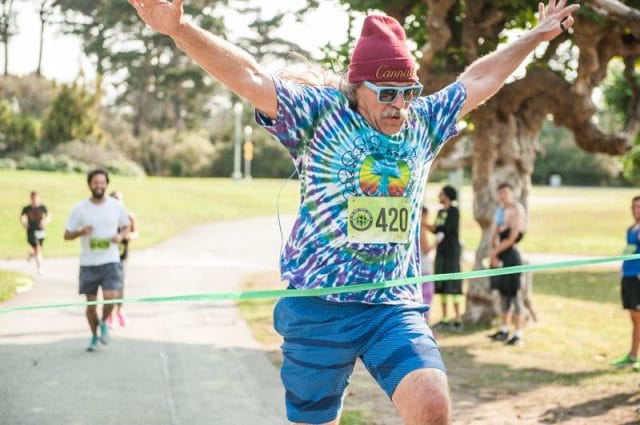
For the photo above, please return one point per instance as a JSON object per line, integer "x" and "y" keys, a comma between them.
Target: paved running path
{"x": 176, "y": 363}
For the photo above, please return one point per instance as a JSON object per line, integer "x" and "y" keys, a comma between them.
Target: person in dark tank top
{"x": 508, "y": 229}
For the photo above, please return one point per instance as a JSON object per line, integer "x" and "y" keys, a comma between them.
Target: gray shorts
{"x": 507, "y": 302}
{"x": 109, "y": 276}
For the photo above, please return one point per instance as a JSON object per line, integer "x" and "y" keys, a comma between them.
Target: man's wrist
{"x": 181, "y": 30}
{"x": 536, "y": 37}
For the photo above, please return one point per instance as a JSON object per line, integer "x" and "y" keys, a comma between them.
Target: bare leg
{"x": 635, "y": 333}
{"x": 506, "y": 319}
{"x": 38, "y": 256}
{"x": 31, "y": 253}
{"x": 445, "y": 313}
{"x": 92, "y": 315}
{"x": 422, "y": 398}
{"x": 518, "y": 320}
{"x": 108, "y": 308}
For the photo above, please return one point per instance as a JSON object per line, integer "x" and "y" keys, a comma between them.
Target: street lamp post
{"x": 237, "y": 174}
{"x": 248, "y": 151}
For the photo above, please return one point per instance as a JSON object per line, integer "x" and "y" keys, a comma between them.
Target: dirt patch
{"x": 486, "y": 392}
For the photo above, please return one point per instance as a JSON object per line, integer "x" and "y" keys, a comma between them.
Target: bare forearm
{"x": 69, "y": 236}
{"x": 229, "y": 64}
{"x": 484, "y": 77}
{"x": 504, "y": 245}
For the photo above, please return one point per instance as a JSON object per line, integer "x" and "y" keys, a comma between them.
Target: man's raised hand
{"x": 160, "y": 15}
{"x": 555, "y": 18}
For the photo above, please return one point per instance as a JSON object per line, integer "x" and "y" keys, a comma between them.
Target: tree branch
{"x": 618, "y": 11}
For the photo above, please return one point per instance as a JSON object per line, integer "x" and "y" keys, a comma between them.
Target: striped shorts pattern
{"x": 323, "y": 339}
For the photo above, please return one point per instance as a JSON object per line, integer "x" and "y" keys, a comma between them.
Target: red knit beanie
{"x": 381, "y": 53}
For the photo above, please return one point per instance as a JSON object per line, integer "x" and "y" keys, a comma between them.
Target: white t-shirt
{"x": 105, "y": 218}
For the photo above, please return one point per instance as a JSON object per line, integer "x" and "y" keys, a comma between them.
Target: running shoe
{"x": 515, "y": 340}
{"x": 624, "y": 361}
{"x": 104, "y": 333}
{"x": 93, "y": 344}
{"x": 444, "y": 323}
{"x": 636, "y": 366}
{"x": 499, "y": 336}
{"x": 109, "y": 321}
{"x": 122, "y": 319}
{"x": 456, "y": 326}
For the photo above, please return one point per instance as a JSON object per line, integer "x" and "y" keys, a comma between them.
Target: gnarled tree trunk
{"x": 508, "y": 126}
{"x": 504, "y": 151}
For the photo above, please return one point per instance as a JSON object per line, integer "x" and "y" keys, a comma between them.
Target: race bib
{"x": 378, "y": 219}
{"x": 96, "y": 244}
{"x": 39, "y": 234}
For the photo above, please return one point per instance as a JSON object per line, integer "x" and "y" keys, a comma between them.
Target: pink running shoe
{"x": 122, "y": 319}
{"x": 110, "y": 321}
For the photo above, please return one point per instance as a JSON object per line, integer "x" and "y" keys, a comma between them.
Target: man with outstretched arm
{"x": 362, "y": 150}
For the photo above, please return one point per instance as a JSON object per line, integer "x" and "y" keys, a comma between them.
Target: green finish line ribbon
{"x": 316, "y": 292}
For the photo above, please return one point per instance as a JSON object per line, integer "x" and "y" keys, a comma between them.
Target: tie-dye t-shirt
{"x": 339, "y": 155}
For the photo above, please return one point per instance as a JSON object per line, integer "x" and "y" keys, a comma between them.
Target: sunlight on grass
{"x": 581, "y": 328}
{"x": 353, "y": 417}
{"x": 562, "y": 220}
{"x": 9, "y": 282}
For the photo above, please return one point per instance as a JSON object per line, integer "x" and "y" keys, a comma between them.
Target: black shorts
{"x": 508, "y": 284}
{"x": 33, "y": 240}
{"x": 630, "y": 292}
{"x": 446, "y": 264}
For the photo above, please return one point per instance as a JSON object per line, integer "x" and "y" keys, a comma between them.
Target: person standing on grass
{"x": 425, "y": 262}
{"x": 508, "y": 228}
{"x": 630, "y": 288}
{"x": 34, "y": 218}
{"x": 362, "y": 150}
{"x": 123, "y": 248}
{"x": 448, "y": 253}
{"x": 96, "y": 221}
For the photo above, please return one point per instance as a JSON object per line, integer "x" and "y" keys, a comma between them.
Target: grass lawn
{"x": 561, "y": 373}
{"x": 9, "y": 282}
{"x": 564, "y": 220}
{"x": 164, "y": 206}
{"x": 589, "y": 221}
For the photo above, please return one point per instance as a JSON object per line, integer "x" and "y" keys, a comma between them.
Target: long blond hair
{"x": 305, "y": 72}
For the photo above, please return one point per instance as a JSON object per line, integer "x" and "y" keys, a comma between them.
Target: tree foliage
{"x": 17, "y": 130}
{"x": 73, "y": 114}
{"x": 560, "y": 156}
{"x": 8, "y": 28}
{"x": 620, "y": 89}
{"x": 158, "y": 86}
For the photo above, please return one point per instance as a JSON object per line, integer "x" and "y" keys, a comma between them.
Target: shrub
{"x": 190, "y": 156}
{"x": 125, "y": 167}
{"x": 8, "y": 164}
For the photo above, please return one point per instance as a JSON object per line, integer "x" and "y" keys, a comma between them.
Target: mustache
{"x": 394, "y": 113}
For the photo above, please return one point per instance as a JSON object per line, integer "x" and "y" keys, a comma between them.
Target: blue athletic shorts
{"x": 109, "y": 276}
{"x": 323, "y": 339}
